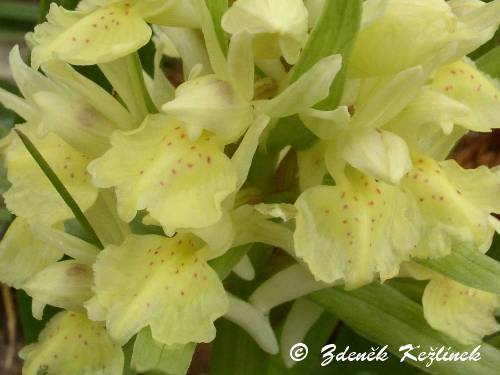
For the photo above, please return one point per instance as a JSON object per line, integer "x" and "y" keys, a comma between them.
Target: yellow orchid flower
{"x": 45, "y": 205}
{"x": 72, "y": 344}
{"x": 355, "y": 230}
{"x": 421, "y": 32}
{"x": 162, "y": 283}
{"x": 453, "y": 209}
{"x": 102, "y": 31}
{"x": 280, "y": 26}
{"x": 182, "y": 183}
{"x": 464, "y": 313}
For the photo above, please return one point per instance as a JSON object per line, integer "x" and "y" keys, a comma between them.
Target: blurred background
{"x": 17, "y": 327}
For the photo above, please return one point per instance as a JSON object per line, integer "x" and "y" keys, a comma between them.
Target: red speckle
{"x": 472, "y": 76}
{"x": 183, "y": 135}
{"x": 174, "y": 171}
{"x": 141, "y": 173}
{"x": 344, "y": 221}
{"x": 452, "y": 71}
{"x": 209, "y": 159}
{"x": 327, "y": 211}
{"x": 162, "y": 183}
{"x": 371, "y": 203}
{"x": 190, "y": 165}
{"x": 72, "y": 175}
{"x": 378, "y": 191}
{"x": 346, "y": 206}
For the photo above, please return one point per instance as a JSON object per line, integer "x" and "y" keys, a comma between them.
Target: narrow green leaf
{"x": 334, "y": 33}
{"x": 61, "y": 189}
{"x": 150, "y": 355}
{"x": 16, "y": 11}
{"x": 142, "y": 85}
{"x": 235, "y": 352}
{"x": 315, "y": 339}
{"x": 468, "y": 267}
{"x": 490, "y": 62}
{"x": 385, "y": 316}
{"x": 346, "y": 337}
{"x": 217, "y": 9}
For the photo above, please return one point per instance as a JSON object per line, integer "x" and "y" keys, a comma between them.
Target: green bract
{"x": 293, "y": 152}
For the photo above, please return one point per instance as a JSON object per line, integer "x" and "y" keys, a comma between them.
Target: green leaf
{"x": 334, "y": 33}
{"x": 490, "y": 62}
{"x": 315, "y": 339}
{"x": 217, "y": 9}
{"x": 150, "y": 355}
{"x": 235, "y": 352}
{"x": 61, "y": 189}
{"x": 385, "y": 316}
{"x": 468, "y": 267}
{"x": 16, "y": 11}
{"x": 225, "y": 263}
{"x": 345, "y": 337}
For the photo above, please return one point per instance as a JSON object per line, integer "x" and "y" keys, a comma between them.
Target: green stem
{"x": 61, "y": 189}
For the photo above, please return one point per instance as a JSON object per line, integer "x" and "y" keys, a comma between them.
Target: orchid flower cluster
{"x": 374, "y": 190}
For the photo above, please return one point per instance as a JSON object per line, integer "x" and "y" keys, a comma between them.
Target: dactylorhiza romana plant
{"x": 311, "y": 134}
